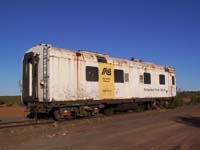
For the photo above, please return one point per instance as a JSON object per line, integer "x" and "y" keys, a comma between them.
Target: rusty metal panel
{"x": 68, "y": 80}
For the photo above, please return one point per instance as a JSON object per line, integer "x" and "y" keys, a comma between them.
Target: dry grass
{"x": 10, "y": 100}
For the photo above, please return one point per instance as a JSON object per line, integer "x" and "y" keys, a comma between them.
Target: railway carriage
{"x": 65, "y": 83}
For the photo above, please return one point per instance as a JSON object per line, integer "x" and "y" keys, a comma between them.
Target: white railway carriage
{"x": 65, "y": 81}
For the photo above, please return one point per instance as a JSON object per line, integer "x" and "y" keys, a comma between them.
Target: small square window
{"x": 92, "y": 73}
{"x": 162, "y": 79}
{"x": 147, "y": 78}
{"x": 119, "y": 76}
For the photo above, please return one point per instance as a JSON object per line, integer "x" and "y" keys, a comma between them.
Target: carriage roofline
{"x": 92, "y": 56}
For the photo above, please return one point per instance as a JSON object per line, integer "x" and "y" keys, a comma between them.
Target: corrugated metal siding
{"x": 67, "y": 77}
{"x": 62, "y": 79}
{"x": 88, "y": 90}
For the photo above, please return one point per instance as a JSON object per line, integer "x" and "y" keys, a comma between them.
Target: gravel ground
{"x": 153, "y": 130}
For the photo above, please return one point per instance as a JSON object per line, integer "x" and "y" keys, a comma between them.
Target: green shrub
{"x": 195, "y": 99}
{"x": 177, "y": 102}
{"x": 10, "y": 100}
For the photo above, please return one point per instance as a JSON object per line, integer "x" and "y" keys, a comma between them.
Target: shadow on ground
{"x": 37, "y": 116}
{"x": 189, "y": 120}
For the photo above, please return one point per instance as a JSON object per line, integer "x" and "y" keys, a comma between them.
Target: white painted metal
{"x": 67, "y": 76}
{"x": 30, "y": 66}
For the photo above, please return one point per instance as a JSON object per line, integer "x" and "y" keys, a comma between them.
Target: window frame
{"x": 117, "y": 77}
{"x": 162, "y": 79}
{"x": 95, "y": 72}
{"x": 173, "y": 80}
{"x": 101, "y": 59}
{"x": 147, "y": 78}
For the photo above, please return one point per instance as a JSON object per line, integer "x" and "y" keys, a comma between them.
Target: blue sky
{"x": 165, "y": 32}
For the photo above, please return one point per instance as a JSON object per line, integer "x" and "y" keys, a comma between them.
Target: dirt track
{"x": 163, "y": 129}
{"x": 12, "y": 113}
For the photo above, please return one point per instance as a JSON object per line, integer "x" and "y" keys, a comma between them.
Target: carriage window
{"x": 147, "y": 78}
{"x": 92, "y": 73}
{"x": 173, "y": 80}
{"x": 162, "y": 79}
{"x": 101, "y": 59}
{"x": 119, "y": 76}
{"x": 30, "y": 74}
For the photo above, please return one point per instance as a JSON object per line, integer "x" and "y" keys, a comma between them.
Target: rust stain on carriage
{"x": 166, "y": 69}
{"x": 153, "y": 66}
{"x": 120, "y": 62}
{"x": 77, "y": 72}
{"x": 77, "y": 60}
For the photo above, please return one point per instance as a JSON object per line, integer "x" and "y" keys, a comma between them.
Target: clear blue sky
{"x": 165, "y": 32}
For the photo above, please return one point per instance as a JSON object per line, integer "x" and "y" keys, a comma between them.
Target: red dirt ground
{"x": 12, "y": 111}
{"x": 173, "y": 129}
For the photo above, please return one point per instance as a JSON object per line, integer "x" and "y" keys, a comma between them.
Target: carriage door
{"x": 172, "y": 84}
{"x": 173, "y": 87}
{"x": 30, "y": 78}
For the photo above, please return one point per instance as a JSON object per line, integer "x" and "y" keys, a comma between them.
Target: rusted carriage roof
{"x": 92, "y": 56}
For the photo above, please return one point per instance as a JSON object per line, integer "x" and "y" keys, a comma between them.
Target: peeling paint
{"x": 67, "y": 76}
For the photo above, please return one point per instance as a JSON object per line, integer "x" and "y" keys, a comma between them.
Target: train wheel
{"x": 108, "y": 111}
{"x": 148, "y": 106}
{"x": 57, "y": 115}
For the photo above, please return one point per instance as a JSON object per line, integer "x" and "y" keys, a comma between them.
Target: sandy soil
{"x": 177, "y": 129}
{"x": 12, "y": 113}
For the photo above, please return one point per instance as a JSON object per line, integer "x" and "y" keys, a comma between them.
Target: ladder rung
{"x": 45, "y": 76}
